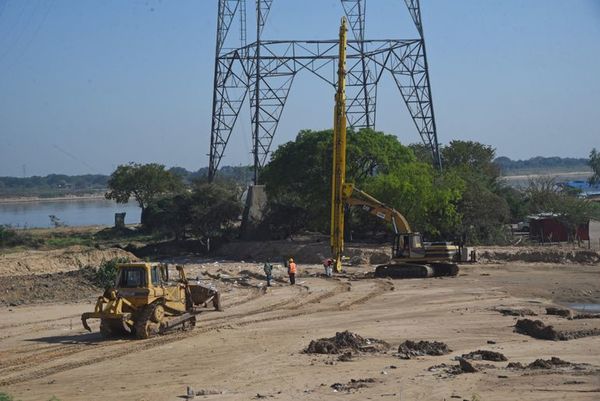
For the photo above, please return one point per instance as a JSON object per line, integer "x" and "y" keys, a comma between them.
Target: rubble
{"x": 537, "y": 329}
{"x": 409, "y": 349}
{"x": 352, "y": 385}
{"x": 516, "y": 312}
{"x": 484, "y": 355}
{"x": 345, "y": 341}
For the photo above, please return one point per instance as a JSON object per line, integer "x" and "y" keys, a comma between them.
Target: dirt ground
{"x": 254, "y": 348}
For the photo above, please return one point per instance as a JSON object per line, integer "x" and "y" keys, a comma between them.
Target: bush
{"x": 9, "y": 237}
{"x": 106, "y": 274}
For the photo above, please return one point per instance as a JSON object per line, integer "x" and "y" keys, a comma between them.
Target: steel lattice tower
{"x": 265, "y": 71}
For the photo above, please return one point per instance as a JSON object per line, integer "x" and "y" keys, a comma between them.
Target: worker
{"x": 328, "y": 265}
{"x": 292, "y": 271}
{"x": 268, "y": 269}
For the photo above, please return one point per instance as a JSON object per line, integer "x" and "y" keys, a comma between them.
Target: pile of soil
{"x": 310, "y": 249}
{"x": 484, "y": 355}
{"x": 552, "y": 310}
{"x": 444, "y": 369}
{"x": 352, "y": 384}
{"x": 55, "y": 287}
{"x": 344, "y": 342}
{"x": 537, "y": 254}
{"x": 59, "y": 260}
{"x": 551, "y": 363}
{"x": 410, "y": 349}
{"x": 537, "y": 329}
{"x": 516, "y": 312}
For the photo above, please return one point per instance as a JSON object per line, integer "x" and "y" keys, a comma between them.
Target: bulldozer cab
{"x": 408, "y": 246}
{"x": 142, "y": 275}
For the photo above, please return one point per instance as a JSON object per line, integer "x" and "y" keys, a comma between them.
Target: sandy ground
{"x": 253, "y": 350}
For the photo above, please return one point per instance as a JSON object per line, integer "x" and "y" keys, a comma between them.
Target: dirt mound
{"x": 60, "y": 260}
{"x": 537, "y": 329}
{"x": 410, "y": 349}
{"x": 548, "y": 363}
{"x": 311, "y": 250}
{"x": 551, "y": 363}
{"x": 516, "y": 312}
{"x": 55, "y": 287}
{"x": 446, "y": 370}
{"x": 537, "y": 254}
{"x": 343, "y": 342}
{"x": 484, "y": 355}
{"x": 552, "y": 310}
{"x": 353, "y": 384}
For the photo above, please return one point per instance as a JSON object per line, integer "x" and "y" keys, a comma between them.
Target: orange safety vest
{"x": 292, "y": 268}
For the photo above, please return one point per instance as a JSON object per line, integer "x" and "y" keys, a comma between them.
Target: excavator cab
{"x": 408, "y": 246}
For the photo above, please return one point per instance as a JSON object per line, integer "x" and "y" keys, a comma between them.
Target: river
{"x": 80, "y": 212}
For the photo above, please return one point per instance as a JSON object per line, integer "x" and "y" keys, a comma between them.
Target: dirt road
{"x": 253, "y": 349}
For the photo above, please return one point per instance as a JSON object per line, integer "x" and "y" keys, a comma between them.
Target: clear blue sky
{"x": 86, "y": 85}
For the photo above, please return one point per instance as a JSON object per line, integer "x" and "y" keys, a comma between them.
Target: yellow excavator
{"x": 411, "y": 257}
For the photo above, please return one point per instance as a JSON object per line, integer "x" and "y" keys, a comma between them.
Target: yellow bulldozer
{"x": 145, "y": 302}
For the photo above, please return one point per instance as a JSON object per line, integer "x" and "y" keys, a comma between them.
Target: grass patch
{"x": 63, "y": 242}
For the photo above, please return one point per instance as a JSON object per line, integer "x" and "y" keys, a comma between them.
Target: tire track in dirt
{"x": 15, "y": 325}
{"x": 220, "y": 323}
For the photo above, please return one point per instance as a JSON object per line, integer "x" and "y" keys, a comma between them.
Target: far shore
{"x": 27, "y": 199}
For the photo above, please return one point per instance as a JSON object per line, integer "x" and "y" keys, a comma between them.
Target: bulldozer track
{"x": 18, "y": 370}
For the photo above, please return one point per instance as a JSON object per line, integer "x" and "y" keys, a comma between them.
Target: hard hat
{"x": 291, "y": 260}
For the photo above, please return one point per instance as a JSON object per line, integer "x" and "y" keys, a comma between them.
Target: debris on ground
{"x": 345, "y": 341}
{"x": 552, "y": 310}
{"x": 410, "y": 349}
{"x": 516, "y": 312}
{"x": 345, "y": 357}
{"x": 445, "y": 370}
{"x": 466, "y": 366}
{"x": 352, "y": 385}
{"x": 553, "y": 362}
{"x": 548, "y": 363}
{"x": 537, "y": 329}
{"x": 484, "y": 355}
{"x": 586, "y": 316}
{"x": 515, "y": 365}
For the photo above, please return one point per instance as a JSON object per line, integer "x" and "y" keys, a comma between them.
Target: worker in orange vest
{"x": 292, "y": 271}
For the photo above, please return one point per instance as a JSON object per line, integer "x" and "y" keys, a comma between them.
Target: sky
{"x": 87, "y": 85}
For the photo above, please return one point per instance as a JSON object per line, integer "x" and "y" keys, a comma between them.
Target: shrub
{"x": 106, "y": 274}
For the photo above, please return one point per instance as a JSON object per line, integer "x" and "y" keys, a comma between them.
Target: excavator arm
{"x": 355, "y": 197}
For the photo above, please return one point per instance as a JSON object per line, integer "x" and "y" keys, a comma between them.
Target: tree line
{"x": 466, "y": 200}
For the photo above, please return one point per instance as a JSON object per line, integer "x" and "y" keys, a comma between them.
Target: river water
{"x": 81, "y": 212}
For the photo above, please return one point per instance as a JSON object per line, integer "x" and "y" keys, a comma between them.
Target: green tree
{"x": 544, "y": 196}
{"x": 484, "y": 207}
{"x": 471, "y": 157}
{"x": 145, "y": 182}
{"x": 594, "y": 163}
{"x": 214, "y": 210}
{"x": 299, "y": 177}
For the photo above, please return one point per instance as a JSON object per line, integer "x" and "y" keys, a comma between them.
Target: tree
{"x": 471, "y": 156}
{"x": 213, "y": 210}
{"x": 544, "y": 196}
{"x": 299, "y": 176}
{"x": 594, "y": 163}
{"x": 145, "y": 182}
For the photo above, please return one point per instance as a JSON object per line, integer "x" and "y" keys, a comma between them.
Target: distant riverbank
{"x": 73, "y": 211}
{"x": 28, "y": 199}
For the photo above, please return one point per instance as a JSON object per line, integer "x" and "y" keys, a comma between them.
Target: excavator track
{"x": 417, "y": 270}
